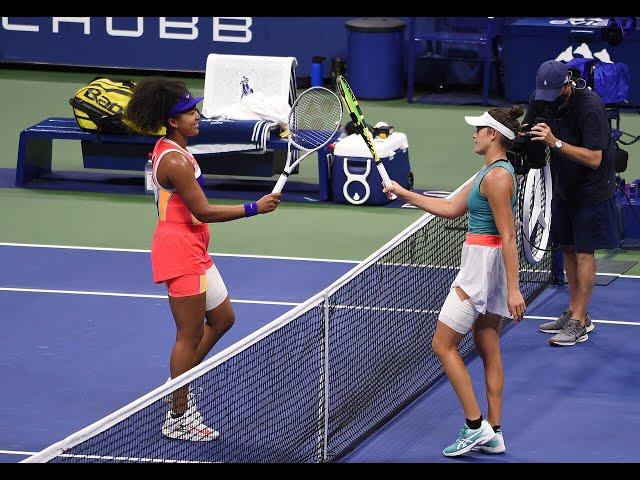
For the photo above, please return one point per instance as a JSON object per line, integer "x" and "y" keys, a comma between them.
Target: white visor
{"x": 486, "y": 120}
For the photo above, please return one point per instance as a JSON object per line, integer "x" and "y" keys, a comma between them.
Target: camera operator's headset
{"x": 575, "y": 78}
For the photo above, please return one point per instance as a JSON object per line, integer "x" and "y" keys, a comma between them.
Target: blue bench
{"x": 130, "y": 152}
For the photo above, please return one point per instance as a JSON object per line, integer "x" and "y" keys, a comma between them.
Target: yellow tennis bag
{"x": 100, "y": 105}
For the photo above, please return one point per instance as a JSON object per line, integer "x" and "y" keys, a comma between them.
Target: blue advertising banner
{"x": 168, "y": 43}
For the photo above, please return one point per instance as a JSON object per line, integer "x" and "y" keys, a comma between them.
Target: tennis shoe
{"x": 469, "y": 438}
{"x": 189, "y": 426}
{"x": 574, "y": 332}
{"x": 494, "y": 445}
{"x": 556, "y": 325}
{"x": 588, "y": 323}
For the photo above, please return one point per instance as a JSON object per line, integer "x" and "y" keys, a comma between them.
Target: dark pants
{"x": 586, "y": 227}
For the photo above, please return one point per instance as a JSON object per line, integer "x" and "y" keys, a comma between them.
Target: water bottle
{"x": 148, "y": 176}
{"x": 633, "y": 190}
{"x": 316, "y": 71}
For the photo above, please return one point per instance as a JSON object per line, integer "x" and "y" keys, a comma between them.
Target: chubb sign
{"x": 581, "y": 22}
{"x": 224, "y": 29}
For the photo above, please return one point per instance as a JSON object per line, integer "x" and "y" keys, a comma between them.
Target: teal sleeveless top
{"x": 480, "y": 219}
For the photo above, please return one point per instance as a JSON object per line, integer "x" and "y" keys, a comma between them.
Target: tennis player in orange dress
{"x": 198, "y": 297}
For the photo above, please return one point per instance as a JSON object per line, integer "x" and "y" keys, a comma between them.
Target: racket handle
{"x": 280, "y": 183}
{"x": 385, "y": 178}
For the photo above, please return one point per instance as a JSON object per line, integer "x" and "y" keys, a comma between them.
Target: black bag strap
{"x": 101, "y": 119}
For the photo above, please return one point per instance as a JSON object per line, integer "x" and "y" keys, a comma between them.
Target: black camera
{"x": 526, "y": 154}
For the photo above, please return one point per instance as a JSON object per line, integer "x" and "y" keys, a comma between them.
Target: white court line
{"x": 263, "y": 302}
{"x": 614, "y": 322}
{"x": 135, "y": 295}
{"x": 104, "y": 457}
{"x": 274, "y": 257}
{"x": 615, "y": 275}
{"x": 134, "y": 250}
{"x": 16, "y": 452}
{"x": 110, "y": 458}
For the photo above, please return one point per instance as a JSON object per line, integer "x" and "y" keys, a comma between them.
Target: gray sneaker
{"x": 572, "y": 333}
{"x": 555, "y": 326}
{"x": 588, "y": 324}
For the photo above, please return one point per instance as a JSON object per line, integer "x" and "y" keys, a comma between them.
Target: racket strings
{"x": 315, "y": 118}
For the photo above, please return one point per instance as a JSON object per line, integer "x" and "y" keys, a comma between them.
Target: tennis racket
{"x": 536, "y": 192}
{"x": 314, "y": 120}
{"x": 358, "y": 120}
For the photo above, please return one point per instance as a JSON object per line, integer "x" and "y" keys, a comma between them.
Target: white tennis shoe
{"x": 188, "y": 426}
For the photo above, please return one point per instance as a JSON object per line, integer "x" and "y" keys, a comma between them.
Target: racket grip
{"x": 385, "y": 178}
{"x": 280, "y": 183}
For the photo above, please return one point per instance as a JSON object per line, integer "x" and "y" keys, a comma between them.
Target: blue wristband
{"x": 250, "y": 209}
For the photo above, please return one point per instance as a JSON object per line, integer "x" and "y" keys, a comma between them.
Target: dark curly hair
{"x": 152, "y": 99}
{"x": 509, "y": 118}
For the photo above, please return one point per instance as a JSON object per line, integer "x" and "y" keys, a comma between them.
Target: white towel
{"x": 256, "y": 106}
{"x": 232, "y": 78}
{"x": 355, "y": 146}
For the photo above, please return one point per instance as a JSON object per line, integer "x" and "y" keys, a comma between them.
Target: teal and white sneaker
{"x": 469, "y": 438}
{"x": 494, "y": 445}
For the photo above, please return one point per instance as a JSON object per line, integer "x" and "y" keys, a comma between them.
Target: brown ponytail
{"x": 509, "y": 118}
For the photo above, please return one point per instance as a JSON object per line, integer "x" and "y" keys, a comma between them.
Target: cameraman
{"x": 573, "y": 123}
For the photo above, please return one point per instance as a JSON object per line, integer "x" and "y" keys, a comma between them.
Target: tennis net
{"x": 312, "y": 384}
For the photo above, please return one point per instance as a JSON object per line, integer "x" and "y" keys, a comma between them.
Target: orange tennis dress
{"x": 180, "y": 242}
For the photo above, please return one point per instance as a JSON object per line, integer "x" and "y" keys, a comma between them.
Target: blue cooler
{"x": 354, "y": 176}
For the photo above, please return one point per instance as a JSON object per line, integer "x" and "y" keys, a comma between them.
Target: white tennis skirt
{"x": 482, "y": 275}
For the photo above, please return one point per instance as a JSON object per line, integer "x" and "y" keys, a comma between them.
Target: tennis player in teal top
{"x": 487, "y": 286}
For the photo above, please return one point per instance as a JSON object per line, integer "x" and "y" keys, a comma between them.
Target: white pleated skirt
{"x": 483, "y": 278}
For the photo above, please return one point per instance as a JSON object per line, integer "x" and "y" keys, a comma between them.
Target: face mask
{"x": 540, "y": 108}
{"x": 559, "y": 106}
{"x": 554, "y": 109}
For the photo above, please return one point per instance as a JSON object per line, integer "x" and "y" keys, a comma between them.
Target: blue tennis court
{"x": 94, "y": 334}
{"x": 560, "y": 404}
{"x": 87, "y": 332}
